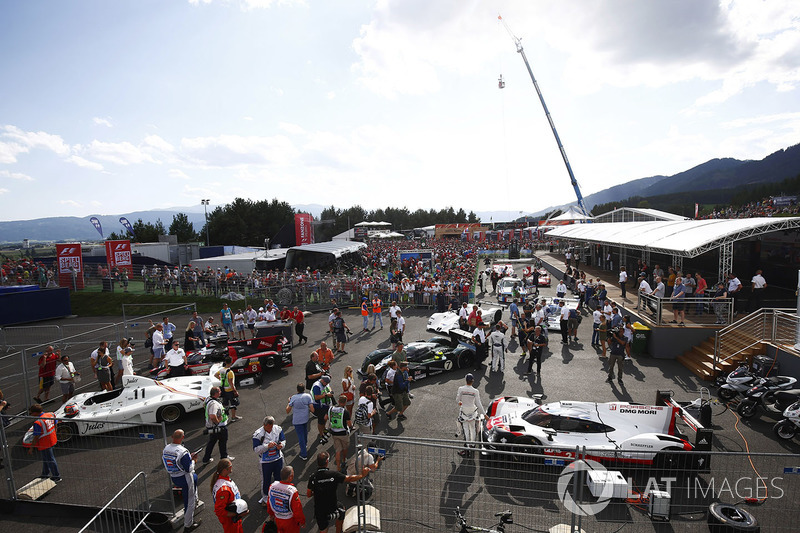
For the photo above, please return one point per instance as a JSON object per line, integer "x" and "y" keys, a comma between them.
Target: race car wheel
{"x": 725, "y": 518}
{"x": 284, "y": 296}
{"x": 785, "y": 429}
{"x": 747, "y": 408}
{"x": 65, "y": 431}
{"x": 466, "y": 360}
{"x": 726, "y": 394}
{"x": 169, "y": 414}
{"x": 670, "y": 460}
{"x": 269, "y": 362}
{"x": 527, "y": 454}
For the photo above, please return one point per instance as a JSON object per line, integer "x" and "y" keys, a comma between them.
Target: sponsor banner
{"x": 118, "y": 255}
{"x": 303, "y": 230}
{"x": 127, "y": 225}
{"x": 70, "y": 265}
{"x": 96, "y": 223}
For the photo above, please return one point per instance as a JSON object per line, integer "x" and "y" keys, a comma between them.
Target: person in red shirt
{"x": 47, "y": 372}
{"x": 286, "y": 314}
{"x": 225, "y": 492}
{"x": 283, "y": 503}
{"x": 299, "y": 325}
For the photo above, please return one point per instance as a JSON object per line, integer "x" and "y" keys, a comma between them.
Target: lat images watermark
{"x": 693, "y": 488}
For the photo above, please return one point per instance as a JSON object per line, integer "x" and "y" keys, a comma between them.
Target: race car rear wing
{"x": 704, "y": 436}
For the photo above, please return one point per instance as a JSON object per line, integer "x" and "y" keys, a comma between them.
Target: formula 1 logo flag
{"x": 118, "y": 255}
{"x": 127, "y": 225}
{"x": 96, "y": 223}
{"x": 303, "y": 230}
{"x": 70, "y": 265}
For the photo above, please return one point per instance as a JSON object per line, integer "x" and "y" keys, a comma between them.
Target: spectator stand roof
{"x": 635, "y": 214}
{"x": 680, "y": 238}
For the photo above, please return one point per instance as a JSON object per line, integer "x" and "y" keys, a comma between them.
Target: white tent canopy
{"x": 385, "y": 235}
{"x": 685, "y": 238}
{"x": 680, "y": 238}
{"x": 573, "y": 213}
{"x": 372, "y": 224}
{"x": 636, "y": 214}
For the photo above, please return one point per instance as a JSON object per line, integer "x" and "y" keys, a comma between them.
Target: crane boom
{"x": 573, "y": 181}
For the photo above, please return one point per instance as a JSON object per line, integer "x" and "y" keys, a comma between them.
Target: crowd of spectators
{"x": 764, "y": 208}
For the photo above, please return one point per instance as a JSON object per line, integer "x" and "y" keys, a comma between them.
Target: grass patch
{"x": 90, "y": 303}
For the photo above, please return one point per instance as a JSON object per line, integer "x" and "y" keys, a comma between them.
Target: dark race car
{"x": 440, "y": 354}
{"x": 251, "y": 357}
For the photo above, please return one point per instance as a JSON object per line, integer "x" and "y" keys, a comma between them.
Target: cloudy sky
{"x": 108, "y": 107}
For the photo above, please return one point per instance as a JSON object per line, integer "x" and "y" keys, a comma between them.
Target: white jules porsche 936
{"x": 140, "y": 400}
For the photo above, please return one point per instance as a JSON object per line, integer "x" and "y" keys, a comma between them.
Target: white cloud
{"x": 85, "y": 163}
{"x": 15, "y": 175}
{"x": 294, "y": 129}
{"x": 122, "y": 153}
{"x": 103, "y": 121}
{"x": 71, "y": 203}
{"x": 3, "y": 191}
{"x": 237, "y": 150}
{"x": 247, "y": 118}
{"x": 157, "y": 142}
{"x": 9, "y": 152}
{"x": 178, "y": 174}
{"x": 34, "y": 139}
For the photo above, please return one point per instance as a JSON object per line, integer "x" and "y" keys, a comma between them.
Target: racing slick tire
{"x": 66, "y": 431}
{"x": 670, "y": 461}
{"x": 466, "y": 359}
{"x": 726, "y": 394}
{"x": 747, "y": 408}
{"x": 523, "y": 448}
{"x": 169, "y": 414}
{"x": 268, "y": 362}
{"x": 725, "y": 518}
{"x": 785, "y": 429}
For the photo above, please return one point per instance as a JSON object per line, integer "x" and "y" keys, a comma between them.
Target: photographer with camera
{"x": 617, "y": 343}
{"x": 216, "y": 426}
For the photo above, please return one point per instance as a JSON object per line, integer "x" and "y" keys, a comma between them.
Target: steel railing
{"x": 126, "y": 511}
{"x": 697, "y": 311}
{"x": 779, "y": 326}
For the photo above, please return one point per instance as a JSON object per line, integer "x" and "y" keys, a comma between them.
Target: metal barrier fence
{"x": 93, "y": 466}
{"x": 19, "y": 370}
{"x": 125, "y": 512}
{"x": 422, "y": 483}
{"x": 695, "y": 311}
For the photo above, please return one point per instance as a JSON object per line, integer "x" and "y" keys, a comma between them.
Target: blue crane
{"x": 518, "y": 43}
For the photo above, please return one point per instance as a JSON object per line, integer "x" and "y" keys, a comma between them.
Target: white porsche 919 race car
{"x": 610, "y": 432}
{"x": 140, "y": 400}
{"x": 444, "y": 322}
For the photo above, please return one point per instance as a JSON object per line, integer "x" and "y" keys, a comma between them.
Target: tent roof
{"x": 573, "y": 213}
{"x": 634, "y": 214}
{"x": 337, "y": 248}
{"x": 685, "y": 238}
{"x": 241, "y": 261}
{"x": 372, "y": 224}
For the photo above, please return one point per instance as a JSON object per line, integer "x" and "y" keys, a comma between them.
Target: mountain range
{"x": 717, "y": 179}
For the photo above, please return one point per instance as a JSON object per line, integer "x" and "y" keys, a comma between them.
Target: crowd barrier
{"x": 422, "y": 483}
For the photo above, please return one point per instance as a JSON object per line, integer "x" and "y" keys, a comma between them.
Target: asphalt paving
{"x": 569, "y": 372}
